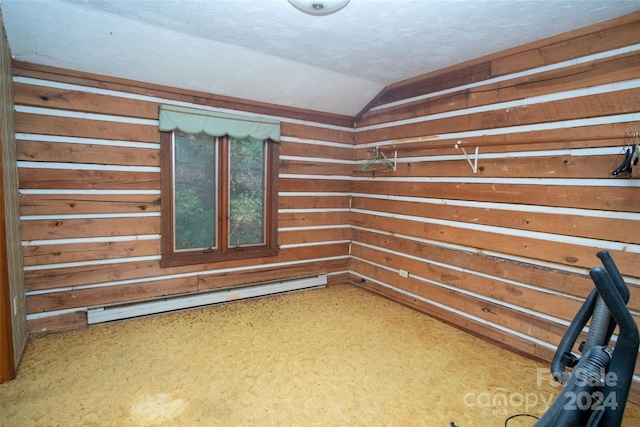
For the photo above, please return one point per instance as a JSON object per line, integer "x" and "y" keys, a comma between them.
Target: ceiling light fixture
{"x": 319, "y": 7}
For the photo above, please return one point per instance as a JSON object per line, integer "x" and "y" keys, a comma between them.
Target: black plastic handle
{"x": 614, "y": 274}
{"x": 626, "y": 163}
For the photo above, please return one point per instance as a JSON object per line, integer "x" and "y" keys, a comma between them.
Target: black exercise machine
{"x": 595, "y": 392}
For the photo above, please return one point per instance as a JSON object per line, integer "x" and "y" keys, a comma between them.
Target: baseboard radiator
{"x": 127, "y": 311}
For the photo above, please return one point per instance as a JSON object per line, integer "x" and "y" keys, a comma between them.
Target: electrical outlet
{"x": 403, "y": 273}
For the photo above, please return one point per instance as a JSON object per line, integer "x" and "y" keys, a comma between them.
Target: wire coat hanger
{"x": 379, "y": 162}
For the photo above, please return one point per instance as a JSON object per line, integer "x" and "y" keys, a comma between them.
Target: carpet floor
{"x": 338, "y": 356}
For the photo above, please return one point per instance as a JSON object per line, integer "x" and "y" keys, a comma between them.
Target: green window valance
{"x": 217, "y": 124}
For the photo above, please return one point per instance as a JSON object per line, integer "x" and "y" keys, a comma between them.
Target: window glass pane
{"x": 194, "y": 191}
{"x": 247, "y": 181}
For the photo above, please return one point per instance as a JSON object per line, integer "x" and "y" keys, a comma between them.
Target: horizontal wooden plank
{"x": 621, "y": 199}
{"x": 69, "y": 204}
{"x": 315, "y": 168}
{"x": 514, "y": 343}
{"x": 446, "y": 80}
{"x": 524, "y": 323}
{"x": 314, "y": 185}
{"x": 62, "y": 322}
{"x": 87, "y": 179}
{"x": 546, "y": 250}
{"x": 300, "y": 149}
{"x": 600, "y": 140}
{"x": 588, "y": 74}
{"x": 465, "y": 281}
{"x": 135, "y": 292}
{"x": 109, "y": 294}
{"x": 83, "y": 252}
{"x": 569, "y": 225}
{"x": 77, "y": 100}
{"x": 619, "y": 35}
{"x": 634, "y": 392}
{"x": 513, "y": 167}
{"x": 309, "y": 236}
{"x": 100, "y": 273}
{"x": 79, "y": 319}
{"x": 94, "y": 227}
{"x": 38, "y": 151}
{"x": 85, "y": 128}
{"x": 597, "y": 135}
{"x": 224, "y": 280}
{"x": 553, "y": 280}
{"x": 413, "y": 152}
{"x": 311, "y": 219}
{"x": 309, "y": 131}
{"x": 339, "y": 278}
{"x": 318, "y": 201}
{"x": 604, "y": 36}
{"x": 618, "y": 102}
{"x": 593, "y": 73}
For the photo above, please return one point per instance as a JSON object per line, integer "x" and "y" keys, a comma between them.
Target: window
{"x": 219, "y": 186}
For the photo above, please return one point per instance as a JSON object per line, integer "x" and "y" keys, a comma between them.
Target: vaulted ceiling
{"x": 268, "y": 51}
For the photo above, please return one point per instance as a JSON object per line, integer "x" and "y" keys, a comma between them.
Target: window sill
{"x": 178, "y": 260}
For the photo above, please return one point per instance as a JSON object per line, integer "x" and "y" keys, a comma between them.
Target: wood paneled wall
{"x": 89, "y": 169}
{"x": 505, "y": 252}
{"x": 13, "y": 326}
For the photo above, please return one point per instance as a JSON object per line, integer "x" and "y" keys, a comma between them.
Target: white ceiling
{"x": 266, "y": 50}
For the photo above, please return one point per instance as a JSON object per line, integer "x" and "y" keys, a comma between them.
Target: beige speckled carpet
{"x": 338, "y": 356}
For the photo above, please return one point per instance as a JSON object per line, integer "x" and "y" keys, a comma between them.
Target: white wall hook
{"x": 474, "y": 164}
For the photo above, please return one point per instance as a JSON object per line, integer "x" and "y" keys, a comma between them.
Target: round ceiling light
{"x": 319, "y": 7}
